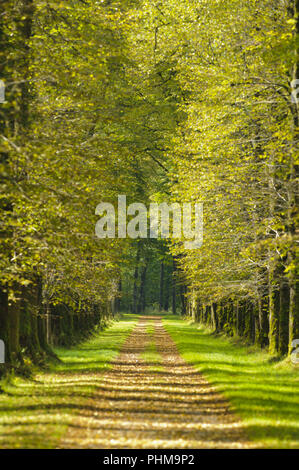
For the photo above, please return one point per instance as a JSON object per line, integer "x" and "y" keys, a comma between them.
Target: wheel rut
{"x": 140, "y": 405}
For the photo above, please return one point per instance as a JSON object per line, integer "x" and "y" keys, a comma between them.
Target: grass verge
{"x": 35, "y": 413}
{"x": 265, "y": 395}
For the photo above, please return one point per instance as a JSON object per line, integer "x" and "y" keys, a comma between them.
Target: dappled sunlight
{"x": 133, "y": 389}
{"x": 265, "y": 395}
{"x": 35, "y": 414}
{"x": 152, "y": 399}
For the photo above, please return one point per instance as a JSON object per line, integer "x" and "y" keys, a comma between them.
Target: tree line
{"x": 160, "y": 101}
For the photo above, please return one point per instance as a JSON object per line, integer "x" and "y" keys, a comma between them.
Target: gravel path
{"x": 139, "y": 405}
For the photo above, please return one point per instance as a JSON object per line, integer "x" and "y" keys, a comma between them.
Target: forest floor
{"x": 144, "y": 385}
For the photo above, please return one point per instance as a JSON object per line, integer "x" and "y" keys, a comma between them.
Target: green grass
{"x": 265, "y": 395}
{"x": 36, "y": 413}
{"x": 96, "y": 353}
{"x": 150, "y": 355}
{"x": 150, "y": 329}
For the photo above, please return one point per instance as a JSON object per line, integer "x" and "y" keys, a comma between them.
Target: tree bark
{"x": 174, "y": 287}
{"x": 292, "y": 199}
{"x": 284, "y": 304}
{"x": 214, "y": 317}
{"x": 273, "y": 313}
{"x": 141, "y": 303}
{"x": 161, "y": 297}
{"x": 135, "y": 287}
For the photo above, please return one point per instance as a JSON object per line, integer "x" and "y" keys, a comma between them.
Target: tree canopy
{"x": 159, "y": 101}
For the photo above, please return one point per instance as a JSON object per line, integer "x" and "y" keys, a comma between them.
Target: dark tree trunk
{"x": 29, "y": 322}
{"x": 262, "y": 329}
{"x": 292, "y": 192}
{"x": 284, "y": 304}
{"x": 135, "y": 287}
{"x": 4, "y": 324}
{"x": 214, "y": 317}
{"x": 183, "y": 299}
{"x": 166, "y": 293}
{"x": 174, "y": 287}
{"x": 293, "y": 314}
{"x": 161, "y": 296}
{"x": 141, "y": 302}
{"x": 118, "y": 298}
{"x": 273, "y": 313}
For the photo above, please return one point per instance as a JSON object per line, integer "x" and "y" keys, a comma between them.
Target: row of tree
{"x": 161, "y": 102}
{"x": 237, "y": 152}
{"x": 85, "y": 114}
{"x": 229, "y": 70}
{"x": 60, "y": 130}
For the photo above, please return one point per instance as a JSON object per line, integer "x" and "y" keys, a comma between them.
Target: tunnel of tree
{"x": 162, "y": 102}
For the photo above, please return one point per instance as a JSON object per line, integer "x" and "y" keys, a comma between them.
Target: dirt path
{"x": 137, "y": 406}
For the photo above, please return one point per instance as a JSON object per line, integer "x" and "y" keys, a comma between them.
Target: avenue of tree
{"x": 173, "y": 101}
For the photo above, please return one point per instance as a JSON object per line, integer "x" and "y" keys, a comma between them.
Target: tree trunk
{"x": 29, "y": 322}
{"x": 284, "y": 304}
{"x": 4, "y": 324}
{"x": 118, "y": 298}
{"x": 135, "y": 287}
{"x": 292, "y": 199}
{"x": 174, "y": 287}
{"x": 183, "y": 299}
{"x": 273, "y": 313}
{"x": 262, "y": 330}
{"x": 161, "y": 297}
{"x": 166, "y": 291}
{"x": 293, "y": 314}
{"x": 214, "y": 317}
{"x": 141, "y": 302}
